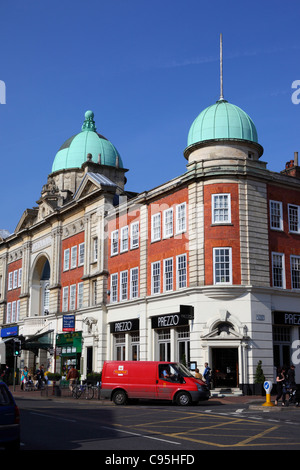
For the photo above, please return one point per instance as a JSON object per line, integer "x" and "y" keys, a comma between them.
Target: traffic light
{"x": 17, "y": 348}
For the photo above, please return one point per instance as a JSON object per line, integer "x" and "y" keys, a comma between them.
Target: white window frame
{"x": 156, "y": 227}
{"x": 10, "y": 281}
{"x": 221, "y": 204}
{"x": 114, "y": 288}
{"x": 20, "y": 277}
{"x": 295, "y": 260}
{"x": 275, "y": 258}
{"x": 124, "y": 239}
{"x": 13, "y": 311}
{"x": 114, "y": 243}
{"x": 95, "y": 249}
{"x": 168, "y": 274}
{"x": 181, "y": 218}
{"x": 8, "y": 313}
{"x": 134, "y": 235}
{"x": 73, "y": 257}
{"x": 123, "y": 285}
{"x": 81, "y": 254}
{"x": 73, "y": 297}
{"x": 66, "y": 259}
{"x": 80, "y": 295}
{"x": 134, "y": 283}
{"x": 276, "y": 206}
{"x": 65, "y": 299}
{"x": 294, "y": 206}
{"x": 15, "y": 279}
{"x": 181, "y": 271}
{"x": 225, "y": 265}
{"x": 168, "y": 228}
{"x": 155, "y": 277}
{"x": 18, "y": 310}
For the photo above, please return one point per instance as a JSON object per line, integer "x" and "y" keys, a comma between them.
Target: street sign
{"x": 268, "y": 386}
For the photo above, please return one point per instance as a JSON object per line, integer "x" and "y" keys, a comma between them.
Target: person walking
{"x": 207, "y": 375}
{"x": 72, "y": 377}
{"x": 281, "y": 386}
{"x": 24, "y": 378}
{"x": 40, "y": 373}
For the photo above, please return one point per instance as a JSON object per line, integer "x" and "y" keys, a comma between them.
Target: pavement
{"x": 52, "y": 394}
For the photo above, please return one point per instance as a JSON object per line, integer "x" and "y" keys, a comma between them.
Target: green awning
{"x": 41, "y": 341}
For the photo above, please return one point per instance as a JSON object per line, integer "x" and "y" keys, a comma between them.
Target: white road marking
{"x": 141, "y": 435}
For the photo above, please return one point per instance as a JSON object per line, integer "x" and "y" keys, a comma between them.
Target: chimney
{"x": 295, "y": 158}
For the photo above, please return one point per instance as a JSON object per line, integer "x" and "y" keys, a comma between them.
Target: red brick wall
{"x": 13, "y": 294}
{"x": 223, "y": 235}
{"x": 283, "y": 242}
{"x": 71, "y": 276}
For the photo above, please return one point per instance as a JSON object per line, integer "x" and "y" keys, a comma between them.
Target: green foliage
{"x": 259, "y": 377}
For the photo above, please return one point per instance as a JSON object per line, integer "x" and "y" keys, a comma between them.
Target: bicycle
{"x": 83, "y": 390}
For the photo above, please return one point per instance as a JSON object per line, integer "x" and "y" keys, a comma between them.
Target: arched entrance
{"x": 39, "y": 289}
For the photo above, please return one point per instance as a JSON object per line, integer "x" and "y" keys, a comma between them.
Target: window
{"x": 65, "y": 299}
{"x": 15, "y": 285}
{"x": 221, "y": 209}
{"x": 95, "y": 249}
{"x": 276, "y": 220}
{"x": 8, "y": 313}
{"x": 81, "y": 254}
{"x": 155, "y": 277}
{"x": 294, "y": 219}
{"x": 46, "y": 294}
{"x": 114, "y": 242}
{"x": 222, "y": 266}
{"x": 114, "y": 287}
{"x": 124, "y": 285}
{"x": 168, "y": 274}
{"x": 10, "y": 280}
{"x": 94, "y": 292}
{"x": 168, "y": 223}
{"x": 181, "y": 218}
{"x": 134, "y": 235}
{"x": 66, "y": 259}
{"x": 73, "y": 257}
{"x": 134, "y": 283}
{"x": 181, "y": 271}
{"x": 73, "y": 297}
{"x": 80, "y": 295}
{"x": 124, "y": 239}
{"x": 18, "y": 310}
{"x": 155, "y": 227}
{"x": 277, "y": 269}
{"x": 295, "y": 272}
{"x": 13, "y": 311}
{"x": 20, "y": 277}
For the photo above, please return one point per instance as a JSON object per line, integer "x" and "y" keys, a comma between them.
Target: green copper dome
{"x": 222, "y": 120}
{"x": 73, "y": 153}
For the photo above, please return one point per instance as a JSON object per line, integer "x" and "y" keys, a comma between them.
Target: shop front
{"x": 171, "y": 337}
{"x": 126, "y": 340}
{"x": 68, "y": 351}
{"x": 286, "y": 335}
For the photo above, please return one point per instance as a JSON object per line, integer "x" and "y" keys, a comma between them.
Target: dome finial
{"x": 221, "y": 68}
{"x": 89, "y": 123}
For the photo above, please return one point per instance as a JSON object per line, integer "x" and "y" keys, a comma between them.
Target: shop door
{"x": 225, "y": 367}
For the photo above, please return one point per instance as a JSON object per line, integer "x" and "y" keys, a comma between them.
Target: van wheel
{"x": 119, "y": 397}
{"x": 183, "y": 399}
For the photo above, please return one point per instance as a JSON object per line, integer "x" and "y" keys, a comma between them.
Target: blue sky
{"x": 146, "y": 69}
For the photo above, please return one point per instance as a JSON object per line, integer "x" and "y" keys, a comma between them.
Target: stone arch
{"x": 39, "y": 286}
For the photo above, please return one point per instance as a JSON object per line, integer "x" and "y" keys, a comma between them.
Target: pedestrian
{"x": 72, "y": 377}
{"x": 207, "y": 374}
{"x": 291, "y": 384}
{"x": 40, "y": 373}
{"x": 24, "y": 377}
{"x": 197, "y": 374}
{"x": 6, "y": 374}
{"x": 281, "y": 386}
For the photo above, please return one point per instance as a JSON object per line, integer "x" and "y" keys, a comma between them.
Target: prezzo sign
{"x": 285, "y": 318}
{"x": 123, "y": 326}
{"x": 165, "y": 321}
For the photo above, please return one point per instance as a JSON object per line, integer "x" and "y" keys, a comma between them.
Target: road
{"x": 155, "y": 427}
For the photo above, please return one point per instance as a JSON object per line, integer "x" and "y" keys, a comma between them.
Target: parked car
{"x": 123, "y": 380}
{"x": 9, "y": 420}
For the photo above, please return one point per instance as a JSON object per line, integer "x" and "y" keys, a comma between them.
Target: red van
{"x": 123, "y": 380}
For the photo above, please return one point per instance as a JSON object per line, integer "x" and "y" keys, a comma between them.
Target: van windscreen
{"x": 181, "y": 370}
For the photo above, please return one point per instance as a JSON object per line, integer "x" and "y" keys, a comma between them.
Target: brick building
{"x": 203, "y": 268}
